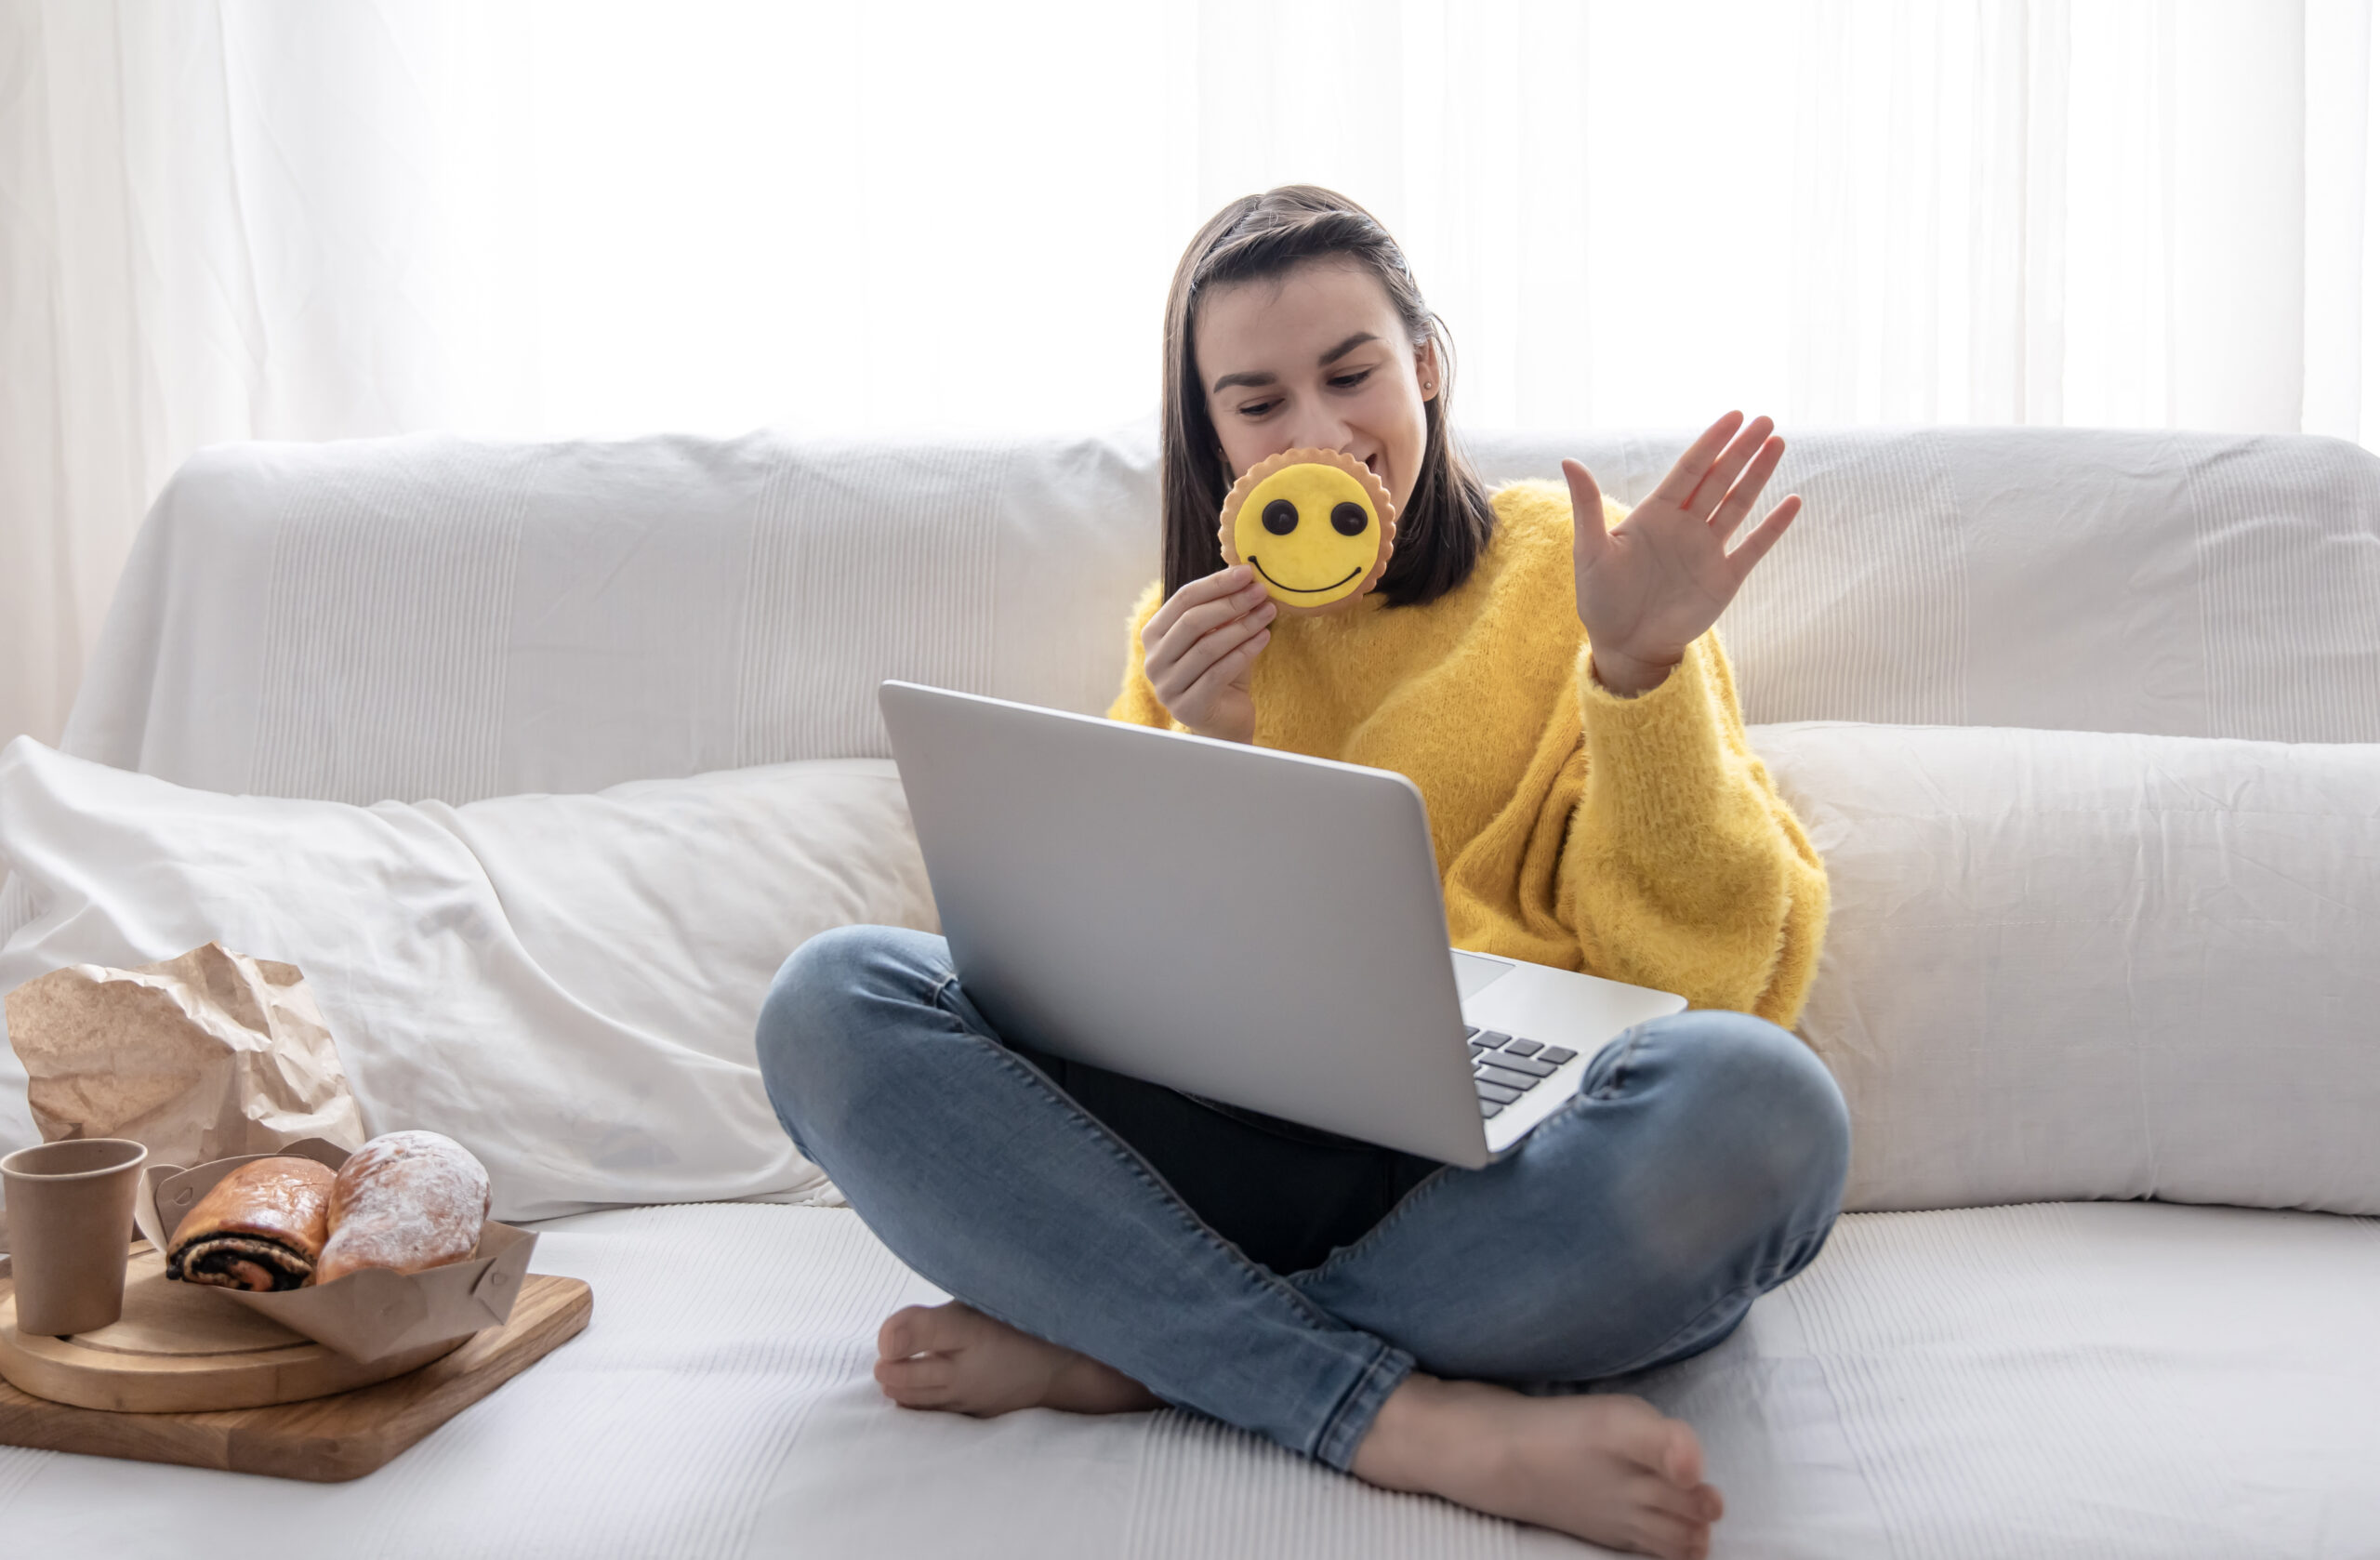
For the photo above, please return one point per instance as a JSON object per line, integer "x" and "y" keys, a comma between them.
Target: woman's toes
{"x": 1654, "y": 1492}
{"x": 898, "y": 1338}
{"x": 951, "y": 1357}
{"x": 1652, "y": 1440}
{"x": 925, "y": 1330}
{"x": 1681, "y": 1457}
{"x": 1671, "y": 1538}
{"x": 922, "y": 1382}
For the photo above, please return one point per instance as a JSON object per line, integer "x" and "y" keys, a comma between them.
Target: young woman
{"x": 1539, "y": 663}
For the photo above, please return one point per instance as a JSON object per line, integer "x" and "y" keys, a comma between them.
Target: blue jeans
{"x": 1700, "y": 1164}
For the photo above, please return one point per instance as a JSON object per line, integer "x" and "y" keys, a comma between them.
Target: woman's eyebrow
{"x": 1266, "y": 376}
{"x": 1340, "y": 351}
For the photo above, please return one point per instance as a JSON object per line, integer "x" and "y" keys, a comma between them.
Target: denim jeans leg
{"x": 1701, "y": 1165}
{"x": 991, "y": 1183}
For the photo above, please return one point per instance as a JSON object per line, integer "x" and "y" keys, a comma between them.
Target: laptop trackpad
{"x": 1475, "y": 972}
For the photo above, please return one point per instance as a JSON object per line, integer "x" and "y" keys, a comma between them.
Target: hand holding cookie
{"x": 1200, "y": 649}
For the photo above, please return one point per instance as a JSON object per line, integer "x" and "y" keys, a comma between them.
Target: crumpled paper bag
{"x": 200, "y": 1057}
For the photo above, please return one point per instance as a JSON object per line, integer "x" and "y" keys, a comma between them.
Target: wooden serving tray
{"x": 324, "y": 1438}
{"x": 181, "y": 1348}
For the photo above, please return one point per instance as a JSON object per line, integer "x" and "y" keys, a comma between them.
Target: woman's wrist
{"x": 1625, "y": 674}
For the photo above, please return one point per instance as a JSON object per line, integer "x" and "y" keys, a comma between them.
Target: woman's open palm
{"x": 1650, "y": 585}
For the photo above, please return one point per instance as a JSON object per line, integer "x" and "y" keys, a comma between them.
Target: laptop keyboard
{"x": 1504, "y": 1067}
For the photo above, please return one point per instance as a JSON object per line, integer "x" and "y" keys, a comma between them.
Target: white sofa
{"x": 433, "y": 618}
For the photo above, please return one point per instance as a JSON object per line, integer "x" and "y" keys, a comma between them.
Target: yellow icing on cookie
{"x": 1298, "y": 530}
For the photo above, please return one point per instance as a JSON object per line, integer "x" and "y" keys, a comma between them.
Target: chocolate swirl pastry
{"x": 261, "y": 1228}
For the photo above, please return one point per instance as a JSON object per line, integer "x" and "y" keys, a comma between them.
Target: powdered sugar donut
{"x": 404, "y": 1202}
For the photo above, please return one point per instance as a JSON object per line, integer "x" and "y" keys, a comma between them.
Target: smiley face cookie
{"x": 1315, "y": 526}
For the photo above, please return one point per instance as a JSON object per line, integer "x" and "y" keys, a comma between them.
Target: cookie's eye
{"x": 1281, "y": 517}
{"x": 1348, "y": 519}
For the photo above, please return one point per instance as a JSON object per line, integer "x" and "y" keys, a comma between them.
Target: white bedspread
{"x": 2108, "y": 1380}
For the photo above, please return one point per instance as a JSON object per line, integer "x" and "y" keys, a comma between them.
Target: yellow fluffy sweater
{"x": 1634, "y": 838}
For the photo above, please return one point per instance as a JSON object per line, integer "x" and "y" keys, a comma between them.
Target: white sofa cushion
{"x": 459, "y": 619}
{"x": 567, "y": 984}
{"x": 2061, "y": 965}
{"x": 434, "y": 617}
{"x": 2077, "y": 965}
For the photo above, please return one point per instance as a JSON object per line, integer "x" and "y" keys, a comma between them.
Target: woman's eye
{"x": 1349, "y": 381}
{"x": 1258, "y": 410}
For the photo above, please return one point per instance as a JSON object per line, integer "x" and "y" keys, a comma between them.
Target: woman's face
{"x": 1315, "y": 359}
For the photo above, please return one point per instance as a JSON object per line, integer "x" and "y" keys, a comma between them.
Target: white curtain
{"x": 318, "y": 218}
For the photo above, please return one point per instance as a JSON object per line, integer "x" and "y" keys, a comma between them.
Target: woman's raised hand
{"x": 1653, "y": 584}
{"x": 1201, "y": 648}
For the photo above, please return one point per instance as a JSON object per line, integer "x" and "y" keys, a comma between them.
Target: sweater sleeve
{"x": 1683, "y": 868}
{"x": 1137, "y": 702}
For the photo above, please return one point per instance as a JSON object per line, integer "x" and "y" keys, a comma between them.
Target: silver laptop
{"x": 1249, "y": 926}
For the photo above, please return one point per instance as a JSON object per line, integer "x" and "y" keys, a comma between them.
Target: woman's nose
{"x": 1317, "y": 432}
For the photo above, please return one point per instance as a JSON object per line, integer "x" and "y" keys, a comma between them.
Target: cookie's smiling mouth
{"x": 1300, "y": 590}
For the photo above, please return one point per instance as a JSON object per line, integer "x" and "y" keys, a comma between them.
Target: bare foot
{"x": 1611, "y": 1469}
{"x": 957, "y": 1360}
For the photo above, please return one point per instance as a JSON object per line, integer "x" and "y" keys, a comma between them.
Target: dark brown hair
{"x": 1445, "y": 523}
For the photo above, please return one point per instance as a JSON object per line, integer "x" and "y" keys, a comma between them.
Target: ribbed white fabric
{"x": 2111, "y": 1380}
{"x": 1872, "y": 611}
{"x": 422, "y": 626}
{"x": 2105, "y": 1381}
{"x": 1205, "y": 1489}
{"x": 866, "y": 558}
{"x": 2274, "y": 565}
{"x": 431, "y": 617}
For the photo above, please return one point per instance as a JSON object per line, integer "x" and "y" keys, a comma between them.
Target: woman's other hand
{"x": 1201, "y": 648}
{"x": 1653, "y": 584}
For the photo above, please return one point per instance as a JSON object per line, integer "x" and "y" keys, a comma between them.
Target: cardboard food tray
{"x": 366, "y": 1316}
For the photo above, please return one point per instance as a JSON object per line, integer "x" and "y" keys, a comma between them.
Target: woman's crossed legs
{"x": 1110, "y": 1241}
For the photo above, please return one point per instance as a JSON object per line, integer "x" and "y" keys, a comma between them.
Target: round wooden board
{"x": 179, "y": 1349}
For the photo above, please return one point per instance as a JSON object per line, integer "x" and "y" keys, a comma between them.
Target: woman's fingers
{"x": 1229, "y": 668}
{"x": 1745, "y": 491}
{"x": 1763, "y": 536}
{"x": 1161, "y": 650}
{"x": 1686, "y": 475}
{"x": 1716, "y": 484}
{"x": 1589, "y": 535}
{"x": 1199, "y": 593}
{"x": 1191, "y": 664}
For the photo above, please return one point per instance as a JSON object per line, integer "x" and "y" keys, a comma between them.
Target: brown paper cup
{"x": 70, "y": 1224}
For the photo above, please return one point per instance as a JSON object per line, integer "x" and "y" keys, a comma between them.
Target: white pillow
{"x": 567, "y": 984}
{"x": 2074, "y": 965}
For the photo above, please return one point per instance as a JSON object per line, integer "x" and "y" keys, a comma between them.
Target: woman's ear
{"x": 1425, "y": 369}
